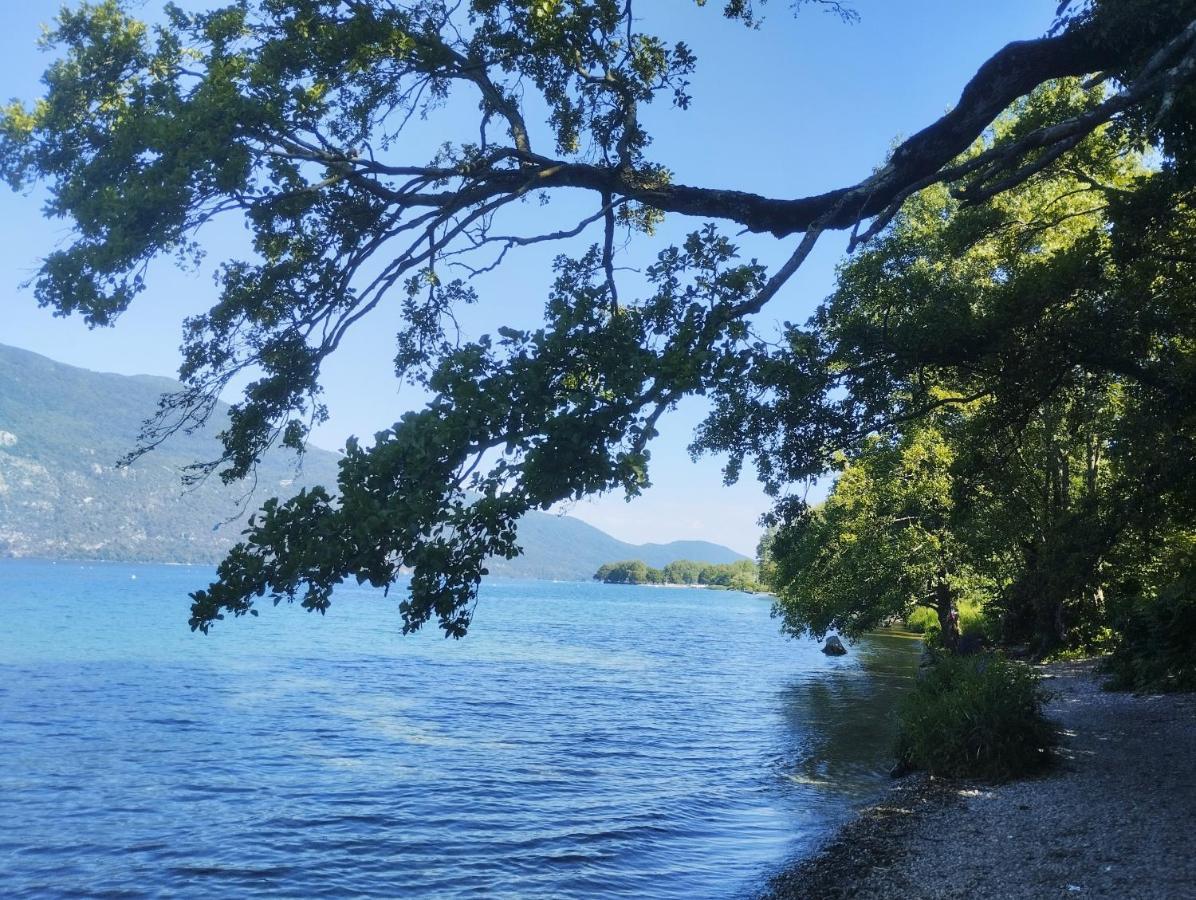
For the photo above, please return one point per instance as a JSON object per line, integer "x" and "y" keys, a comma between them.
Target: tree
{"x": 632, "y": 571}
{"x": 682, "y": 571}
{"x": 1058, "y": 334}
{"x": 289, "y": 115}
{"x": 737, "y": 576}
{"x": 885, "y": 541}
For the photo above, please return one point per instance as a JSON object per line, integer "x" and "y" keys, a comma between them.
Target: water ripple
{"x": 584, "y": 741}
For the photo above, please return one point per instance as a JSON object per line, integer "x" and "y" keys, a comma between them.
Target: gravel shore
{"x": 1115, "y": 818}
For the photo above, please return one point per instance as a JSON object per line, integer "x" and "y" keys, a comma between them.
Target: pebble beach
{"x": 1115, "y": 817}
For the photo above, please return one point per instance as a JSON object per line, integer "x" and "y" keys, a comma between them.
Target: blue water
{"x": 585, "y": 740}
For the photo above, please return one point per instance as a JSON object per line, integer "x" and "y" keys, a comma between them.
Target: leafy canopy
{"x": 1012, "y": 383}
{"x": 296, "y": 118}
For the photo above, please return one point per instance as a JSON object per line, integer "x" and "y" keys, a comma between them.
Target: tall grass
{"x": 924, "y": 620}
{"x": 978, "y": 716}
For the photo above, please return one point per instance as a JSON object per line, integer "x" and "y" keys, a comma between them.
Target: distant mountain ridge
{"x": 62, "y": 429}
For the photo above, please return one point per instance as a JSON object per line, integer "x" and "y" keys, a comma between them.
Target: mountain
{"x": 568, "y": 549}
{"x": 62, "y": 429}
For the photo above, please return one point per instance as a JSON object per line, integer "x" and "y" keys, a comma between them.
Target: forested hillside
{"x": 62, "y": 430}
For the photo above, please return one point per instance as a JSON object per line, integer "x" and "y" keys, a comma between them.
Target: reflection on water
{"x": 839, "y": 719}
{"x": 585, "y": 740}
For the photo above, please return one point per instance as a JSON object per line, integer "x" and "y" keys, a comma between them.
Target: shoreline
{"x": 684, "y": 587}
{"x": 1112, "y": 818}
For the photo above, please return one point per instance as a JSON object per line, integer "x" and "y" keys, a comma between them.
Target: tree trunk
{"x": 944, "y": 602}
{"x": 1051, "y": 626}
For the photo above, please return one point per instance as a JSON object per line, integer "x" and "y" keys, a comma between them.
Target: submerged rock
{"x": 834, "y": 646}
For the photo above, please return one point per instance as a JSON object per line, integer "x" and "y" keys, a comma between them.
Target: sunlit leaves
{"x": 1037, "y": 339}
{"x": 518, "y": 421}
{"x": 884, "y": 542}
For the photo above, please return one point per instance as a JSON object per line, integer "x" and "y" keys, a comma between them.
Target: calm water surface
{"x": 585, "y": 740}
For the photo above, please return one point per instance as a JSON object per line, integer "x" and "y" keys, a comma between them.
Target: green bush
{"x": 978, "y": 716}
{"x": 1156, "y": 645}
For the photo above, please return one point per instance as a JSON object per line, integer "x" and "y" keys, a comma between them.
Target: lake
{"x": 584, "y": 740}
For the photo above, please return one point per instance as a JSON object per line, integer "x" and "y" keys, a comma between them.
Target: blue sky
{"x": 802, "y": 105}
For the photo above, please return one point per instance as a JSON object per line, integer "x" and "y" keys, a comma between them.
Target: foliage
{"x": 975, "y": 717}
{"x": 742, "y": 575}
{"x": 632, "y": 571}
{"x": 921, "y": 620}
{"x": 1155, "y": 648}
{"x": 924, "y": 620}
{"x": 683, "y": 571}
{"x": 764, "y": 557}
{"x": 1041, "y": 345}
{"x": 881, "y": 545}
{"x": 303, "y": 120}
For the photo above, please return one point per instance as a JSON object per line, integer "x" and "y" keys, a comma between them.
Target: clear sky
{"x": 805, "y": 104}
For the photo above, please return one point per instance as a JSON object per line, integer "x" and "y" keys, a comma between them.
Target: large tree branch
{"x": 1010, "y": 74}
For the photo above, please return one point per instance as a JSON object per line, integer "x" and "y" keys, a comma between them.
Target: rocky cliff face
{"x": 62, "y": 430}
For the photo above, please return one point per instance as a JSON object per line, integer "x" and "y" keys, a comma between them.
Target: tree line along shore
{"x": 743, "y": 575}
